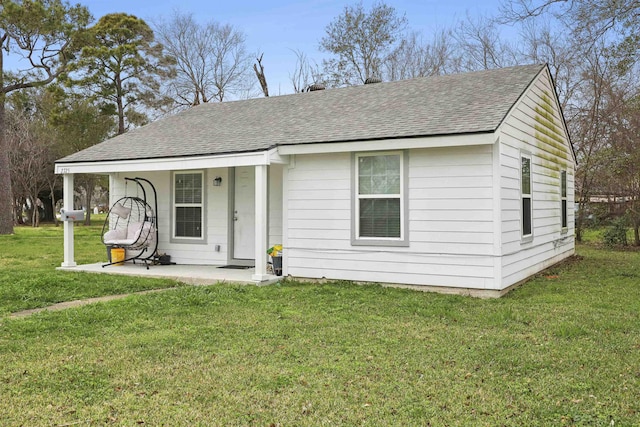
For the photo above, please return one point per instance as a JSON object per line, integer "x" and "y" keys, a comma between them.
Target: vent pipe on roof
{"x": 372, "y": 80}
{"x": 314, "y": 87}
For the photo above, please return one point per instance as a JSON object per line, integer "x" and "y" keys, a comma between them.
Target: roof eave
{"x": 259, "y": 157}
{"x": 483, "y": 137}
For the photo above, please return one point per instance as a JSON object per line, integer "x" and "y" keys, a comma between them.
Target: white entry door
{"x": 244, "y": 223}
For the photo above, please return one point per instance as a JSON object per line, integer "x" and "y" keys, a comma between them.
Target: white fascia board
{"x": 172, "y": 163}
{"x": 390, "y": 144}
{"x": 276, "y": 157}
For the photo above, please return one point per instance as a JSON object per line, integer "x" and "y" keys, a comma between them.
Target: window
{"x": 563, "y": 196}
{"x": 379, "y": 201}
{"x": 525, "y": 190}
{"x": 188, "y": 205}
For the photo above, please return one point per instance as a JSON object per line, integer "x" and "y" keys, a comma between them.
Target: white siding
{"x": 216, "y": 217}
{"x": 216, "y": 207}
{"x": 535, "y": 126}
{"x": 450, "y": 221}
{"x": 275, "y": 205}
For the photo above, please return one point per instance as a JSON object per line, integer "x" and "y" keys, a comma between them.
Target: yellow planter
{"x": 117, "y": 256}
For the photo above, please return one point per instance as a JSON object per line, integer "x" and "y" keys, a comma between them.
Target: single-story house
{"x": 460, "y": 182}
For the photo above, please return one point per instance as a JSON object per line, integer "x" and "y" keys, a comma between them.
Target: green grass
{"x": 564, "y": 349}
{"x": 28, "y": 262}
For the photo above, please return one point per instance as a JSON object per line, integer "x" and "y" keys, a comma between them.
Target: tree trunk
{"x": 90, "y": 183}
{"x": 87, "y": 217}
{"x": 35, "y": 213}
{"x": 6, "y": 195}
{"x": 17, "y": 211}
{"x": 635, "y": 221}
{"x": 119, "y": 105}
{"x": 580, "y": 220}
{"x": 53, "y": 201}
{"x": 261, "y": 77}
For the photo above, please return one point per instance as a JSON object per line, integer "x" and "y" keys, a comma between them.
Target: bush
{"x": 616, "y": 234}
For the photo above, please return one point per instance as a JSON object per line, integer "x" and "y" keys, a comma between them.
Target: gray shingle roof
{"x": 443, "y": 105}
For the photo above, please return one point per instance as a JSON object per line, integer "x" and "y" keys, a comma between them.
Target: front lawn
{"x": 564, "y": 349}
{"x": 28, "y": 275}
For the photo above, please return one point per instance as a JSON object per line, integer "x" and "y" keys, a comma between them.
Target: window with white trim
{"x": 379, "y": 197}
{"x": 525, "y": 191}
{"x": 563, "y": 197}
{"x": 188, "y": 209}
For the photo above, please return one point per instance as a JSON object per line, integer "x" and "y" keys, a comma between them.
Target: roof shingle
{"x": 443, "y": 105}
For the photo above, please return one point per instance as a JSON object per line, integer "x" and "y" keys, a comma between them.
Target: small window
{"x": 525, "y": 190}
{"x": 563, "y": 196}
{"x": 379, "y": 204}
{"x": 188, "y": 205}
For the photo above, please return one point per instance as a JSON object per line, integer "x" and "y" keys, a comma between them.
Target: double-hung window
{"x": 563, "y": 197}
{"x": 379, "y": 199}
{"x": 525, "y": 191}
{"x": 188, "y": 206}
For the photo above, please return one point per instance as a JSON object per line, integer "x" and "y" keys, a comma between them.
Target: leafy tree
{"x": 361, "y": 41}
{"x": 122, "y": 65}
{"x": 42, "y": 32}
{"x": 76, "y": 123}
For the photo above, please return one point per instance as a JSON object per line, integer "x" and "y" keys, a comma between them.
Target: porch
{"x": 235, "y": 214}
{"x": 190, "y": 274}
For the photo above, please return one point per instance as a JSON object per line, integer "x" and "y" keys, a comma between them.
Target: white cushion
{"x": 137, "y": 234}
{"x": 120, "y": 210}
{"x": 133, "y": 230}
{"x": 112, "y": 237}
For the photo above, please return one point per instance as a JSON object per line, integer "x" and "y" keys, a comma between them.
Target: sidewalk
{"x": 80, "y": 302}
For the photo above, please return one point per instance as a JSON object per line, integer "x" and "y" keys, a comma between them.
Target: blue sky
{"x": 276, "y": 27}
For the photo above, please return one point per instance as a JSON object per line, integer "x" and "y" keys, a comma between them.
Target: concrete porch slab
{"x": 191, "y": 274}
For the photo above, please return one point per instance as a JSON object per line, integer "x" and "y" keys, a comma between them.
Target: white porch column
{"x": 68, "y": 225}
{"x": 261, "y": 225}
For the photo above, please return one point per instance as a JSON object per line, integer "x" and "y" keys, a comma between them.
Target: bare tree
{"x": 360, "y": 41}
{"x": 259, "y": 70}
{"x": 542, "y": 43}
{"x": 231, "y": 68}
{"x": 590, "y": 21}
{"x": 417, "y": 58}
{"x": 211, "y": 59}
{"x": 305, "y": 73}
{"x": 481, "y": 47}
{"x": 623, "y": 121}
{"x": 587, "y": 121}
{"x": 31, "y": 158}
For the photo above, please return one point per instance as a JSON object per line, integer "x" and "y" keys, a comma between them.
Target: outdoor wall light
{"x": 217, "y": 181}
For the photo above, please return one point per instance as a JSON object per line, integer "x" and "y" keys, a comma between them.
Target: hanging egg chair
{"x": 131, "y": 224}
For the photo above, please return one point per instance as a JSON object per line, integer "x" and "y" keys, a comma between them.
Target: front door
{"x": 244, "y": 219}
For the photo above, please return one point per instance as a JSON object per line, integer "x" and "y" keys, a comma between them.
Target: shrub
{"x": 616, "y": 234}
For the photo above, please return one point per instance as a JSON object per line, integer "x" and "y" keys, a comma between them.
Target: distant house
{"x": 461, "y": 182}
